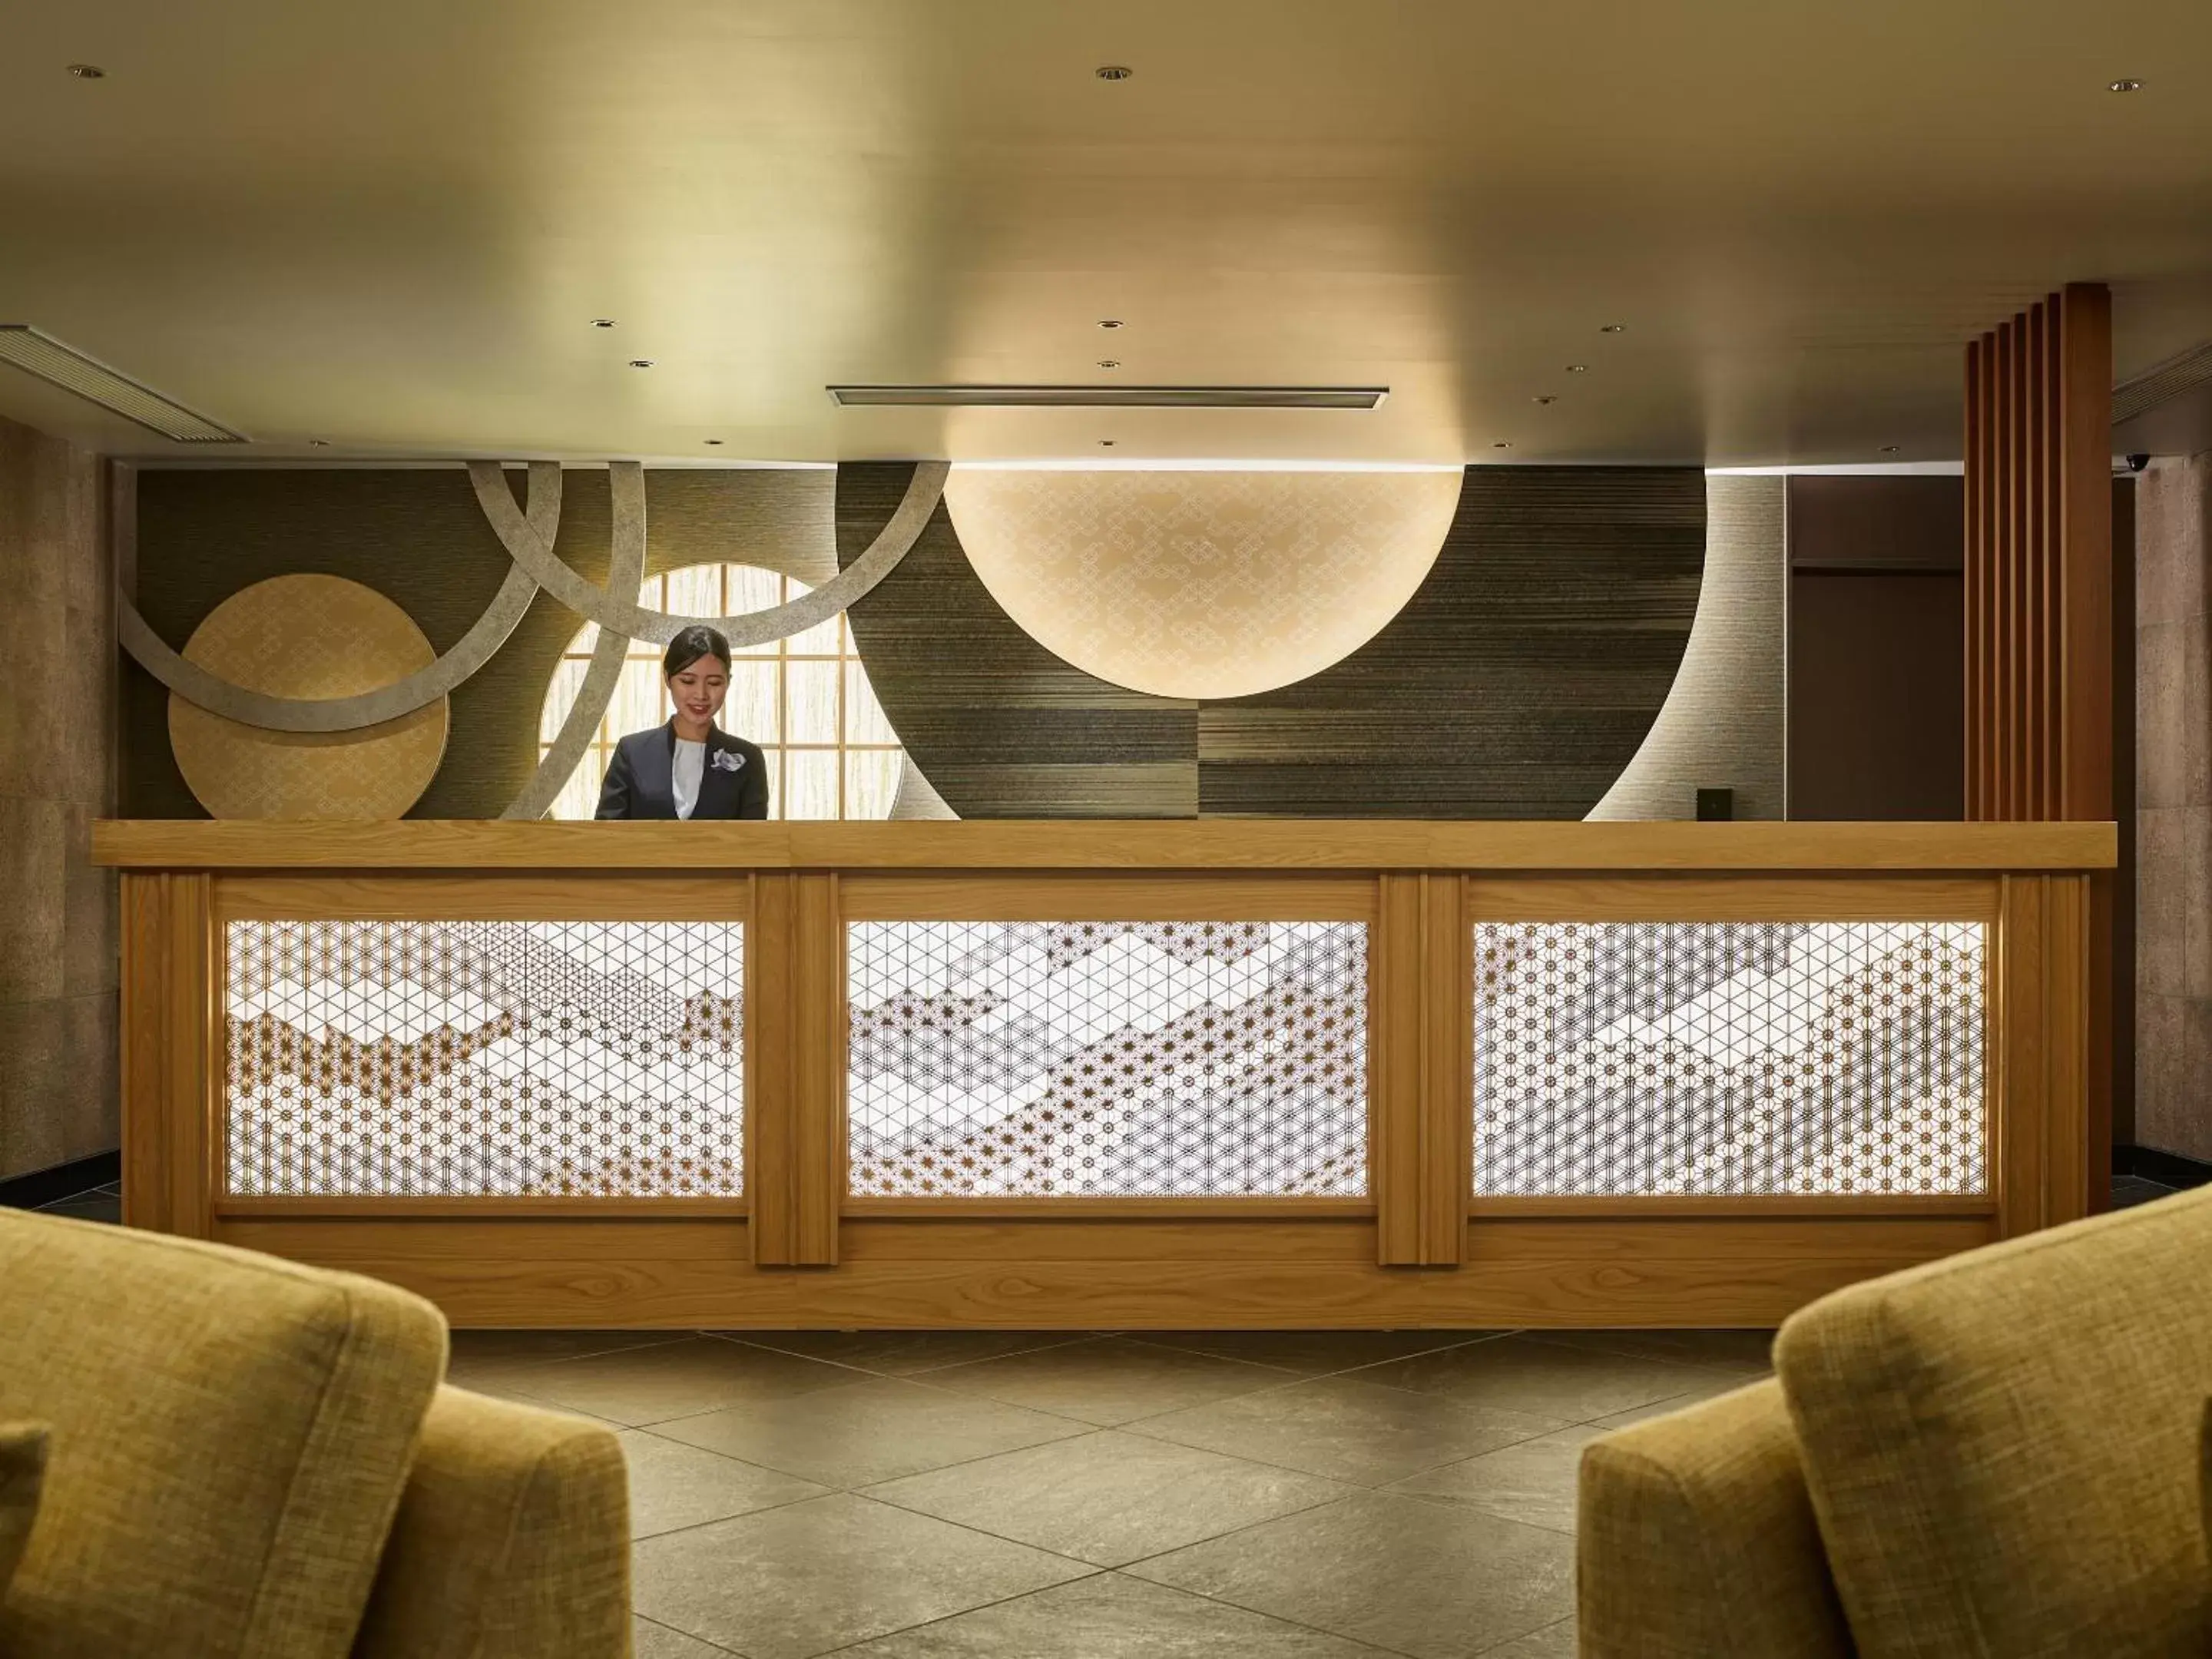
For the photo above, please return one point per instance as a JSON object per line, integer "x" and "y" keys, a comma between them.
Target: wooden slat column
{"x": 795, "y": 1050}
{"x": 173, "y": 1054}
{"x": 2039, "y": 1144}
{"x": 1422, "y": 1005}
{"x": 2038, "y": 590}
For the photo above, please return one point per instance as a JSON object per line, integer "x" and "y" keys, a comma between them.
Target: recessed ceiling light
{"x": 1105, "y": 443}
{"x": 319, "y": 443}
{"x": 717, "y": 442}
{"x": 1889, "y": 449}
{"x": 1109, "y": 322}
{"x": 640, "y": 362}
{"x": 87, "y": 72}
{"x": 1110, "y": 362}
{"x": 2125, "y": 84}
{"x": 1614, "y": 328}
{"x": 1578, "y": 368}
{"x": 603, "y": 322}
{"x": 1546, "y": 398}
{"x": 1113, "y": 71}
{"x": 1501, "y": 444}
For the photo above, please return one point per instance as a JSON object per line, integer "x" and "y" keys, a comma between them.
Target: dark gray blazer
{"x": 640, "y": 779}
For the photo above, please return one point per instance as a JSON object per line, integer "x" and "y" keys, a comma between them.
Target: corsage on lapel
{"x": 728, "y": 760}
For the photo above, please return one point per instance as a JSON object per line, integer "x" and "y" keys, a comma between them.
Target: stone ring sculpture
{"x": 527, "y": 532}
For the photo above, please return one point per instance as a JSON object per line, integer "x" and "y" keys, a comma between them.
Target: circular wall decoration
{"x": 308, "y": 636}
{"x": 1201, "y": 584}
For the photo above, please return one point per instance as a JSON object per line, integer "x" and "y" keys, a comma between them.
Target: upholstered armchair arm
{"x": 511, "y": 1541}
{"x": 1696, "y": 1540}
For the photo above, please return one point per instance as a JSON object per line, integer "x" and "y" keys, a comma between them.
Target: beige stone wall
{"x": 59, "y": 948}
{"x": 2173, "y": 810}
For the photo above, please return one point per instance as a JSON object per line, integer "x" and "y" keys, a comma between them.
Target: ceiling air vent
{"x": 72, "y": 371}
{"x": 2156, "y": 385}
{"x": 1109, "y": 396}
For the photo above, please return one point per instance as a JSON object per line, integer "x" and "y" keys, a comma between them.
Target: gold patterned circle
{"x": 308, "y": 636}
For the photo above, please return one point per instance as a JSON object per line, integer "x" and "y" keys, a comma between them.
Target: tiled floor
{"x": 1190, "y": 1495}
{"x": 99, "y": 1204}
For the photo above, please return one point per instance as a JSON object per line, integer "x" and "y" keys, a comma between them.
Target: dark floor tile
{"x": 1108, "y": 1380}
{"x": 1313, "y": 1353}
{"x": 881, "y": 1428}
{"x": 803, "y": 1580}
{"x": 2128, "y": 1191}
{"x": 1552, "y": 1642}
{"x": 1111, "y": 1616}
{"x": 1345, "y": 1428}
{"x": 1532, "y": 1483}
{"x": 645, "y": 1385}
{"x": 1749, "y": 1351}
{"x": 1430, "y": 1580}
{"x": 1109, "y": 1497}
{"x": 651, "y": 1641}
{"x": 904, "y": 1354}
{"x": 672, "y": 1485}
{"x": 1550, "y": 1378}
{"x": 88, "y": 1207}
{"x": 510, "y": 1347}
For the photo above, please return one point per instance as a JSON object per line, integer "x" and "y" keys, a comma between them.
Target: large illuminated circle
{"x": 1201, "y": 584}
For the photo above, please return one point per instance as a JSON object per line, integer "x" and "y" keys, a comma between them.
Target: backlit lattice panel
{"x": 1108, "y": 1059}
{"x": 486, "y": 1059}
{"x": 1651, "y": 1058}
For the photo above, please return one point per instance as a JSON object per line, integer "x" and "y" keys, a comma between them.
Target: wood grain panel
{"x": 700, "y": 849}
{"x": 172, "y": 1065}
{"x": 1163, "y": 896}
{"x": 1765, "y": 898}
{"x": 486, "y": 896}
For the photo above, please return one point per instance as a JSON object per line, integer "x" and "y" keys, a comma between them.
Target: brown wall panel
{"x": 1876, "y": 677}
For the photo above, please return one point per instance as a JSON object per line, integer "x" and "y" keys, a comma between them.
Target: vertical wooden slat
{"x": 2007, "y": 530}
{"x": 818, "y": 1067}
{"x": 2085, "y": 507}
{"x": 769, "y": 1091}
{"x": 1394, "y": 1066}
{"x": 2020, "y": 1076}
{"x": 172, "y": 1080}
{"x": 1971, "y": 574}
{"x": 2066, "y": 997}
{"x": 1447, "y": 1069}
{"x": 2034, "y": 531}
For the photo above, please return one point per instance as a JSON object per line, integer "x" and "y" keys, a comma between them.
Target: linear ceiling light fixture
{"x": 1109, "y": 396}
{"x": 71, "y": 370}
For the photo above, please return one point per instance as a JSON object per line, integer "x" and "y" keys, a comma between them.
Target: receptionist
{"x": 688, "y": 769}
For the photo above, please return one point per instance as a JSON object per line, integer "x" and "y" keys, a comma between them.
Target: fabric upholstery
{"x": 2003, "y": 1447}
{"x": 512, "y": 1542}
{"x": 230, "y": 1437}
{"x": 1696, "y": 1540}
{"x": 22, "y": 1465}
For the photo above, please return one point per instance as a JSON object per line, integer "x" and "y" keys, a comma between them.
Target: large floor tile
{"x": 1312, "y": 1353}
{"x": 531, "y": 1348}
{"x": 1430, "y": 1580}
{"x": 880, "y": 1428}
{"x": 673, "y": 1485}
{"x": 638, "y": 1386}
{"x": 651, "y": 1641}
{"x": 1522, "y": 1374}
{"x": 1113, "y": 1617}
{"x": 1533, "y": 1482}
{"x": 1552, "y": 1642}
{"x": 905, "y": 1354}
{"x": 1348, "y": 1430}
{"x": 809, "y": 1577}
{"x": 1750, "y": 1352}
{"x": 1108, "y": 1380}
{"x": 1705, "y": 1391}
{"x": 1109, "y": 1497}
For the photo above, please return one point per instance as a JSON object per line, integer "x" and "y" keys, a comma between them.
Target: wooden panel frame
{"x": 172, "y": 1048}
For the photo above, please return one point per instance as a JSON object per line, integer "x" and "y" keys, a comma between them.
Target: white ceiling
{"x": 388, "y": 225}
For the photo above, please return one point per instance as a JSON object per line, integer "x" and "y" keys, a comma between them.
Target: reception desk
{"x": 1257, "y": 1073}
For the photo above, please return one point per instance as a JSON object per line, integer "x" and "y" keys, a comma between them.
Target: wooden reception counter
{"x": 1122, "y": 1074}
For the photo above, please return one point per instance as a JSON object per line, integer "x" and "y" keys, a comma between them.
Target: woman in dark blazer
{"x": 688, "y": 769}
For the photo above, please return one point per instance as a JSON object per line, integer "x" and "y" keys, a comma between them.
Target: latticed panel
{"x": 1108, "y": 1059}
{"x": 1651, "y": 1058}
{"x": 485, "y": 1058}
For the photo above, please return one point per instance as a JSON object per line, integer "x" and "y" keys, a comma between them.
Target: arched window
{"x": 805, "y": 700}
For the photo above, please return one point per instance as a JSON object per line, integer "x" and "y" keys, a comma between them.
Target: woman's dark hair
{"x": 687, "y": 646}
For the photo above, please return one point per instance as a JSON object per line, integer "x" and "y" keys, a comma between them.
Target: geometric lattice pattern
{"x": 485, "y": 1058}
{"x": 1098, "y": 1059}
{"x": 1651, "y": 1058}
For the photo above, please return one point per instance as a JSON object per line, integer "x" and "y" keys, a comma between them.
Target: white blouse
{"x": 690, "y": 767}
